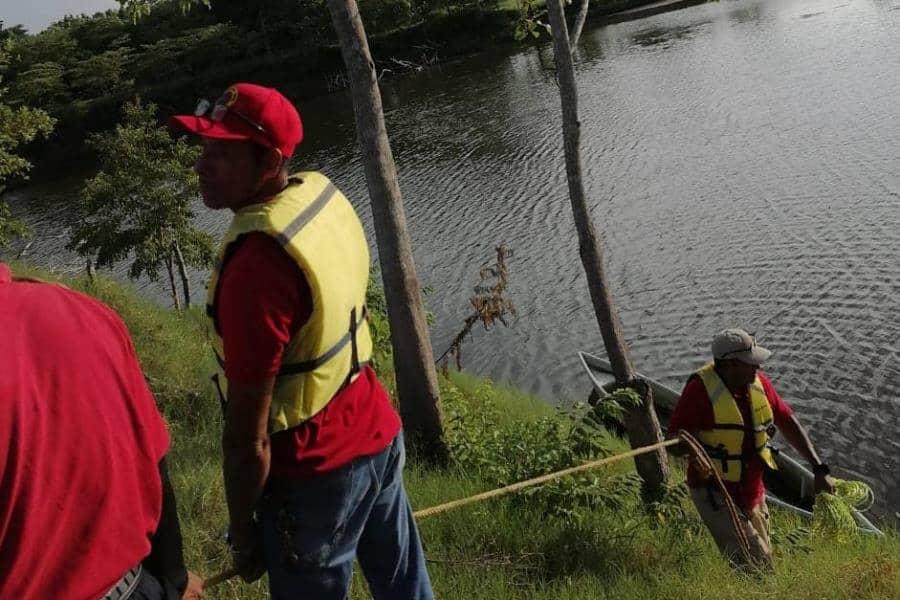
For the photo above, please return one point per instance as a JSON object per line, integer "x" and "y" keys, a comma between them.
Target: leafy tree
{"x": 18, "y": 126}
{"x": 137, "y": 9}
{"x": 42, "y": 85}
{"x": 99, "y": 33}
{"x": 189, "y": 54}
{"x": 279, "y": 22}
{"x": 102, "y": 74}
{"x": 138, "y": 205}
{"x": 384, "y": 15}
{"x": 422, "y": 8}
{"x": 8, "y": 33}
{"x": 53, "y": 45}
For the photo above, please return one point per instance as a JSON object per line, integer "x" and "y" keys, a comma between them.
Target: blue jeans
{"x": 313, "y": 529}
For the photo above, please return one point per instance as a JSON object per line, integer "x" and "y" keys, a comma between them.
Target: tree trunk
{"x": 89, "y": 269}
{"x": 182, "y": 271}
{"x": 578, "y": 25}
{"x": 417, "y": 385}
{"x": 172, "y": 289}
{"x": 642, "y": 423}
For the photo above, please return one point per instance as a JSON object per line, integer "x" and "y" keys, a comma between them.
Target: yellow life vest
{"x": 725, "y": 441}
{"x": 318, "y": 227}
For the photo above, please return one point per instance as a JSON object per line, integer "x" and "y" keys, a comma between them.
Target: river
{"x": 742, "y": 159}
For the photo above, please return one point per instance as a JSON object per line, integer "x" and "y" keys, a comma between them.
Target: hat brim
{"x": 755, "y": 356}
{"x": 228, "y": 129}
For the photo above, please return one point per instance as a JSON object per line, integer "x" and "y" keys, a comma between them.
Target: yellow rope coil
{"x": 833, "y": 513}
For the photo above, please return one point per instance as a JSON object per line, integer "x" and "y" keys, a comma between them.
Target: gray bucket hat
{"x": 737, "y": 343}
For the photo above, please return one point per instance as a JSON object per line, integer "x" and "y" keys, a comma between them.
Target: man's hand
{"x": 823, "y": 483}
{"x": 701, "y": 468}
{"x": 194, "y": 589}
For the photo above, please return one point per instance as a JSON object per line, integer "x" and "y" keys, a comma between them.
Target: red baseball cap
{"x": 247, "y": 111}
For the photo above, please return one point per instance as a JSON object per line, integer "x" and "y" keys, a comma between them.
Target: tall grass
{"x": 589, "y": 537}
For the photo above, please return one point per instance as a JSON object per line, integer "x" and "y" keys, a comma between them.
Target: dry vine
{"x": 489, "y": 304}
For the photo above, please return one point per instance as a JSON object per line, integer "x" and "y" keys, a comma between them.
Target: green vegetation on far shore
{"x": 588, "y": 537}
{"x": 81, "y": 69}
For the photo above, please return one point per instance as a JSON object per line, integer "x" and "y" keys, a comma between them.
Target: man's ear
{"x": 273, "y": 162}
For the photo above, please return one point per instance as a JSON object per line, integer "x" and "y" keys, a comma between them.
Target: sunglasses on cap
{"x": 216, "y": 113}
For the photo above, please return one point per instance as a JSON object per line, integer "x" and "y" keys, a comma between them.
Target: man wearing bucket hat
{"x": 313, "y": 448}
{"x": 732, "y": 408}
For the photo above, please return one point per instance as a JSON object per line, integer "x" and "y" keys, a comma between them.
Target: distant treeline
{"x": 81, "y": 69}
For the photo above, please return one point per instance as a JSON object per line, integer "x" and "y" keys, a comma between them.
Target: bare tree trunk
{"x": 182, "y": 271}
{"x": 417, "y": 385}
{"x": 578, "y": 25}
{"x": 172, "y": 289}
{"x": 89, "y": 269}
{"x": 642, "y": 423}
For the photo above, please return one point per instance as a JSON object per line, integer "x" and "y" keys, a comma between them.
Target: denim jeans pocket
{"x": 308, "y": 519}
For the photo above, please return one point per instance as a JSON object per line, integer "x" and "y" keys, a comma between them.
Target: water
{"x": 741, "y": 159}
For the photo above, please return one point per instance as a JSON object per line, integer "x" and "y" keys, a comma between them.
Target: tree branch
{"x": 578, "y": 25}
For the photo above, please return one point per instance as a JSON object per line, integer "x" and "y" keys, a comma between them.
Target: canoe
{"x": 790, "y": 487}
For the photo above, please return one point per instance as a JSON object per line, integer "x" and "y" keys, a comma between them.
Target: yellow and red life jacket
{"x": 725, "y": 441}
{"x": 318, "y": 227}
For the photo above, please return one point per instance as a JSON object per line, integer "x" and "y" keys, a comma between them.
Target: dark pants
{"x": 314, "y": 529}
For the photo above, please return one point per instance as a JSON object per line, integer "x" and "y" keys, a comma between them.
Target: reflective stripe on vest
{"x": 318, "y": 227}
{"x": 725, "y": 441}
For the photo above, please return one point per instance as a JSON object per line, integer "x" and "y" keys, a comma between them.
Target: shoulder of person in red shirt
{"x": 262, "y": 302}
{"x": 80, "y": 444}
{"x": 781, "y": 410}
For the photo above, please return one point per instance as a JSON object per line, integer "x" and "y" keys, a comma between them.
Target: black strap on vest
{"x": 349, "y": 337}
{"x": 732, "y": 426}
{"x": 720, "y": 453}
{"x": 354, "y": 349}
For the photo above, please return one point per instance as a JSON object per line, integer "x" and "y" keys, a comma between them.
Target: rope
{"x": 683, "y": 437}
{"x": 833, "y": 513}
{"x": 515, "y": 487}
{"x": 699, "y": 454}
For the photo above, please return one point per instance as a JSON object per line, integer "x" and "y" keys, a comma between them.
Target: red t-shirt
{"x": 80, "y": 444}
{"x": 694, "y": 413}
{"x": 263, "y": 300}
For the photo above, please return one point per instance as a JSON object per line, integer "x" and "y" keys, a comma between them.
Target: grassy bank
{"x": 589, "y": 537}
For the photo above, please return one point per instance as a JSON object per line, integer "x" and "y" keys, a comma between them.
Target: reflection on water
{"x": 742, "y": 161}
{"x": 665, "y": 36}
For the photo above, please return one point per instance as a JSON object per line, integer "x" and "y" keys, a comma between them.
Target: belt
{"x": 124, "y": 587}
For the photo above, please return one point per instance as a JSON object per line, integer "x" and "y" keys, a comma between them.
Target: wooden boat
{"x": 790, "y": 487}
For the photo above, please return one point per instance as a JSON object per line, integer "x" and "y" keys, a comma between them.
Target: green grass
{"x": 586, "y": 538}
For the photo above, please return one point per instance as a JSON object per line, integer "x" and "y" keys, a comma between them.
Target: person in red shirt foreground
{"x": 732, "y": 408}
{"x": 86, "y": 508}
{"x": 313, "y": 448}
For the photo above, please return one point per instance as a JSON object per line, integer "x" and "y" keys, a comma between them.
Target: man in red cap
{"x": 732, "y": 408}
{"x": 313, "y": 448}
{"x": 86, "y": 508}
